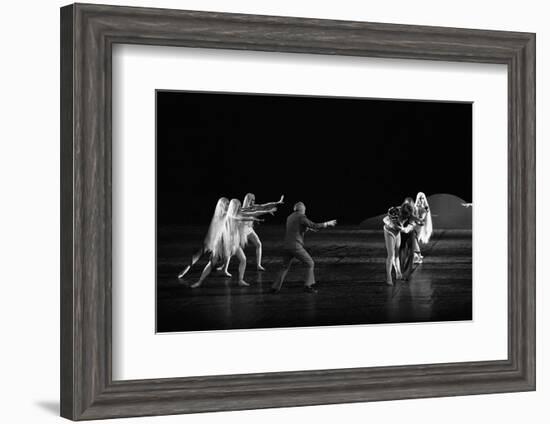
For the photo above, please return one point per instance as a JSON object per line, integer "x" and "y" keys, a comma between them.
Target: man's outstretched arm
{"x": 317, "y": 226}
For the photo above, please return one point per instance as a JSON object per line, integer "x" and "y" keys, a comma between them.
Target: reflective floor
{"x": 350, "y": 273}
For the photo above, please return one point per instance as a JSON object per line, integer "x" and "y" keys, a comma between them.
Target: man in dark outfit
{"x": 296, "y": 226}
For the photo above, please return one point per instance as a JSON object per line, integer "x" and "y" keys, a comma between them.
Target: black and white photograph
{"x": 281, "y": 211}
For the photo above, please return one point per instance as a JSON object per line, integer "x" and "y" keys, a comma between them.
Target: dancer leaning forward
{"x": 296, "y": 226}
{"x": 226, "y": 238}
{"x": 249, "y": 206}
{"x": 399, "y": 226}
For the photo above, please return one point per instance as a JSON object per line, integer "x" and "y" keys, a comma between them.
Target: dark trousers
{"x": 406, "y": 253}
{"x": 300, "y": 254}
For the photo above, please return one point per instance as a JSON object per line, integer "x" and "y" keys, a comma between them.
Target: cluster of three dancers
{"x": 405, "y": 227}
{"x": 231, "y": 228}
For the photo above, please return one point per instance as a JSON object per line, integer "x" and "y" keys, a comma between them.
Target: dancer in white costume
{"x": 249, "y": 205}
{"x": 422, "y": 232}
{"x": 211, "y": 243}
{"x": 232, "y": 240}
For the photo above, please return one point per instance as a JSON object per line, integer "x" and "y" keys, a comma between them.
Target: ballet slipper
{"x": 260, "y": 268}
{"x": 243, "y": 283}
{"x": 196, "y": 285}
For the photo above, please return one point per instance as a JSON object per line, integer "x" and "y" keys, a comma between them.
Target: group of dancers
{"x": 405, "y": 228}
{"x": 232, "y": 227}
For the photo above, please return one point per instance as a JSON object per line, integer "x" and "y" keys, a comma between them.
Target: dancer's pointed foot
{"x": 227, "y": 274}
{"x": 196, "y": 285}
{"x": 260, "y": 268}
{"x": 310, "y": 289}
{"x": 389, "y": 282}
{"x": 399, "y": 277}
{"x": 243, "y": 283}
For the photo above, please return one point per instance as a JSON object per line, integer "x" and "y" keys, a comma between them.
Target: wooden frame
{"x": 88, "y": 33}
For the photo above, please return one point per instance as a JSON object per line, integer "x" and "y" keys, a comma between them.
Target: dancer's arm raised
{"x": 265, "y": 206}
{"x": 253, "y": 213}
{"x": 247, "y": 218}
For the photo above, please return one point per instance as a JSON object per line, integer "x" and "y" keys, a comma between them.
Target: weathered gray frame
{"x": 88, "y": 33}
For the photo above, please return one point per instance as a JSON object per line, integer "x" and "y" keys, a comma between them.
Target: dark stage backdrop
{"x": 347, "y": 159}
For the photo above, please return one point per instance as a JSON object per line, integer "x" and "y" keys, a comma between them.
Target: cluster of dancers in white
{"x": 232, "y": 227}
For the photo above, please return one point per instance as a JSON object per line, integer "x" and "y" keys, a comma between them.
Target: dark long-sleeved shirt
{"x": 296, "y": 226}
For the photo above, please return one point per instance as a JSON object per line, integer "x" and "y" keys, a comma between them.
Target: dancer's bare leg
{"x": 194, "y": 260}
{"x": 224, "y": 267}
{"x": 416, "y": 249}
{"x": 205, "y": 272}
{"x": 242, "y": 266}
{"x": 390, "y": 258}
{"x": 253, "y": 237}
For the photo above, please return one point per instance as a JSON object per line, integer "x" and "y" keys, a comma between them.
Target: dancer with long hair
{"x": 211, "y": 243}
{"x": 232, "y": 240}
{"x": 249, "y": 205}
{"x": 422, "y": 232}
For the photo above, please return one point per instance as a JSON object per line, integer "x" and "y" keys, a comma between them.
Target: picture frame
{"x": 88, "y": 33}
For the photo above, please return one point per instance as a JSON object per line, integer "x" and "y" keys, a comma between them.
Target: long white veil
{"x": 217, "y": 225}
{"x": 425, "y": 231}
{"x": 233, "y": 234}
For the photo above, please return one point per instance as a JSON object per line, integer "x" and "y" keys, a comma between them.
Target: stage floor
{"x": 350, "y": 274}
